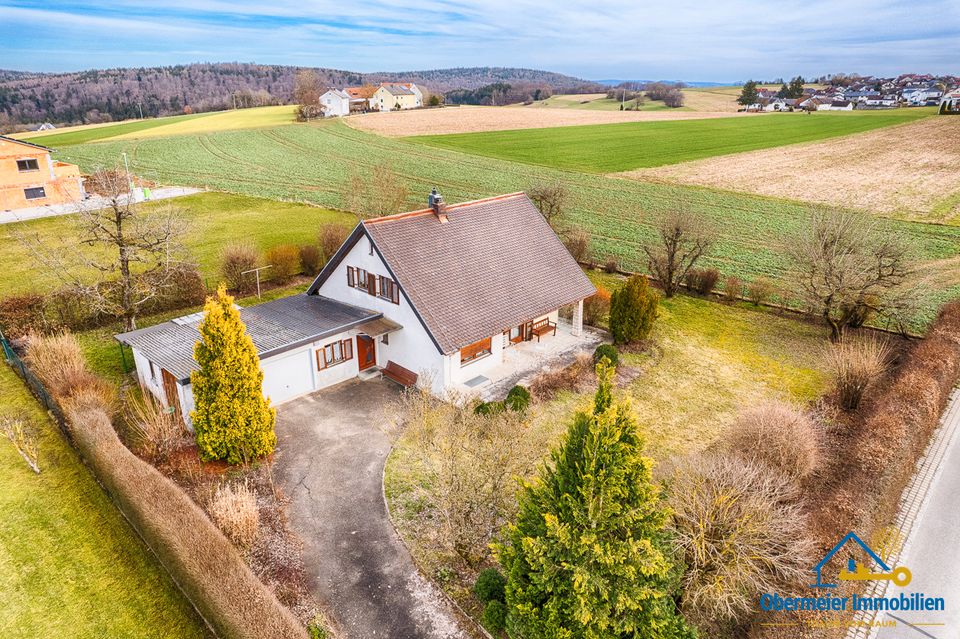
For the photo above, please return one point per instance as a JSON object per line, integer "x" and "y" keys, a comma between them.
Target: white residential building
{"x": 336, "y": 103}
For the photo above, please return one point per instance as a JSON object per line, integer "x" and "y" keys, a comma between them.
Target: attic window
{"x": 28, "y": 165}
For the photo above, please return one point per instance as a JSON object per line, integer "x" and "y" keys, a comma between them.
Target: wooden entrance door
{"x": 366, "y": 352}
{"x": 170, "y": 389}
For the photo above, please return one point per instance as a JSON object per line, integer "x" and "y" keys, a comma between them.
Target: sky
{"x": 693, "y": 40}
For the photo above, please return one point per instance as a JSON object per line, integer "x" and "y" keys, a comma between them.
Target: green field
{"x": 70, "y": 566}
{"x": 592, "y": 102}
{"x": 313, "y": 162}
{"x": 165, "y": 127}
{"x": 215, "y": 220}
{"x": 608, "y": 148}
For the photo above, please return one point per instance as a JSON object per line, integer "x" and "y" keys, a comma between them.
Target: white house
{"x": 391, "y": 96}
{"x": 950, "y": 103}
{"x": 435, "y": 296}
{"x": 336, "y": 103}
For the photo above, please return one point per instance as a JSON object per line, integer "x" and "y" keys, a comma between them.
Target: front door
{"x": 366, "y": 352}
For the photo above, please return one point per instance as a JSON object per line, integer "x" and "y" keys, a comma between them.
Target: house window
{"x": 356, "y": 278}
{"x": 34, "y": 193}
{"x": 334, "y": 353}
{"x": 388, "y": 289}
{"x": 153, "y": 373}
{"x": 475, "y": 351}
{"x": 30, "y": 164}
{"x": 376, "y": 285}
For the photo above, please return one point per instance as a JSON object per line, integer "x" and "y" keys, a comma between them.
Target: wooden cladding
{"x": 376, "y": 285}
{"x": 475, "y": 351}
{"x": 334, "y": 353}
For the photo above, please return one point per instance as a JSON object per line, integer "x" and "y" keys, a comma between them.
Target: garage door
{"x": 287, "y": 376}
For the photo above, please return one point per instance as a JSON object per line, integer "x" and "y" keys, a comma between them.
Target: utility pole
{"x": 126, "y": 165}
{"x": 257, "y": 271}
{"x": 140, "y": 106}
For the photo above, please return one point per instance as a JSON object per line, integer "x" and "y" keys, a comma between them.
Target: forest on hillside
{"x": 118, "y": 94}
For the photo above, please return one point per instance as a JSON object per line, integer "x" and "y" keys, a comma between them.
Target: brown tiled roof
{"x": 361, "y": 92}
{"x": 494, "y": 264}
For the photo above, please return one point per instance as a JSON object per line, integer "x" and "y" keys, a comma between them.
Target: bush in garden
{"x": 158, "y": 432}
{"x": 234, "y": 510}
{"x": 732, "y": 288}
{"x": 577, "y": 242}
{"x": 330, "y": 238}
{"x": 232, "y": 419}
{"x": 613, "y": 577}
{"x": 633, "y": 309}
{"x": 856, "y": 364}
{"x": 611, "y": 264}
{"x": 779, "y": 435}
{"x": 70, "y": 308}
{"x": 490, "y": 585}
{"x": 596, "y": 308}
{"x": 518, "y": 399}
{"x": 234, "y": 261}
{"x": 489, "y": 408}
{"x": 760, "y": 290}
{"x": 59, "y": 363}
{"x": 187, "y": 288}
{"x": 702, "y": 280}
{"x": 608, "y": 351}
{"x": 311, "y": 258}
{"x": 494, "y": 617}
{"x": 21, "y": 314}
{"x": 284, "y": 261}
{"x": 739, "y": 533}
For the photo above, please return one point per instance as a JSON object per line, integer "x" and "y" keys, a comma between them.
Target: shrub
{"x": 518, "y": 399}
{"x": 70, "y": 308}
{"x": 633, "y": 308}
{"x": 157, "y": 432}
{"x": 732, "y": 288}
{"x": 779, "y": 435}
{"x": 577, "y": 242}
{"x": 856, "y": 364}
{"x": 186, "y": 288}
{"x": 234, "y": 261}
{"x": 490, "y": 585}
{"x": 284, "y": 261}
{"x": 311, "y": 258}
{"x": 609, "y": 351}
{"x": 611, "y": 264}
{"x": 59, "y": 363}
{"x": 21, "y": 314}
{"x": 489, "y": 408}
{"x": 548, "y": 383}
{"x": 702, "y": 280}
{"x": 494, "y": 617}
{"x": 330, "y": 238}
{"x": 596, "y": 308}
{"x": 760, "y": 290}
{"x": 234, "y": 510}
{"x": 738, "y": 534}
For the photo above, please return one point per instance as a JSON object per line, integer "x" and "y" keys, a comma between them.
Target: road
{"x": 931, "y": 551}
{"x": 91, "y": 203}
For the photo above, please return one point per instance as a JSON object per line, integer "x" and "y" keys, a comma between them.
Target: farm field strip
{"x": 93, "y": 133}
{"x": 626, "y": 146}
{"x": 312, "y": 163}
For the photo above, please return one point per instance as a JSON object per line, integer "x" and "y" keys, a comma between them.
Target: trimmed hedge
{"x": 205, "y": 565}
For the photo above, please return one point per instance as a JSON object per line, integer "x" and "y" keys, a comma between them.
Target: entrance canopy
{"x": 379, "y": 326}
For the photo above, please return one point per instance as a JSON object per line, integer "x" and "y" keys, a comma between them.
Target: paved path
{"x": 930, "y": 514}
{"x": 332, "y": 453}
{"x": 91, "y": 203}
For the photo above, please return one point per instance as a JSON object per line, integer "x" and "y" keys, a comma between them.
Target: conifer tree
{"x": 587, "y": 557}
{"x": 748, "y": 94}
{"x": 633, "y": 309}
{"x": 231, "y": 418}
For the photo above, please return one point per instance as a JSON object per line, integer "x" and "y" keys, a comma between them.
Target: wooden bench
{"x": 399, "y": 374}
{"x": 544, "y": 326}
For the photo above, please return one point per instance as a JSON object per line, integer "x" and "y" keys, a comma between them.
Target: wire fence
{"x": 33, "y": 382}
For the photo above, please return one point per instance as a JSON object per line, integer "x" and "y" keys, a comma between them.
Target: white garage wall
{"x": 153, "y": 385}
{"x": 411, "y": 347}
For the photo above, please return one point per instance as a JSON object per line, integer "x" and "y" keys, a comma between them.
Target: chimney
{"x": 435, "y": 202}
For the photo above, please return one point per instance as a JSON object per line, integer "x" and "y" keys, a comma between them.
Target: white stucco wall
{"x": 152, "y": 385}
{"x": 410, "y": 347}
{"x": 334, "y": 105}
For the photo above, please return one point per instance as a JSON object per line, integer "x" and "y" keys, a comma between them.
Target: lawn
{"x": 608, "y": 148}
{"x": 215, "y": 219}
{"x": 70, "y": 566}
{"x": 197, "y": 123}
{"x": 313, "y": 163}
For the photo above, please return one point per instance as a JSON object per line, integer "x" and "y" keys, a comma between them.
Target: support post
{"x": 577, "y": 330}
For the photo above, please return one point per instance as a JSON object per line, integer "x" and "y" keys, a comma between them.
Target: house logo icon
{"x": 900, "y": 576}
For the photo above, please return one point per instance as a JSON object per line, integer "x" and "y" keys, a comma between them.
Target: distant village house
{"x": 29, "y": 176}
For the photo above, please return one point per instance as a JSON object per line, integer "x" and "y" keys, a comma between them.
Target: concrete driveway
{"x": 332, "y": 450}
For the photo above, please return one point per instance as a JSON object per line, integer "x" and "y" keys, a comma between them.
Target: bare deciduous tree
{"x": 846, "y": 267}
{"x": 306, "y": 88}
{"x": 381, "y": 193}
{"x": 550, "y": 198}
{"x": 682, "y": 239}
{"x": 120, "y": 256}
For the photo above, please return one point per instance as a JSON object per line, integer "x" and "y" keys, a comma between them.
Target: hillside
{"x": 95, "y": 96}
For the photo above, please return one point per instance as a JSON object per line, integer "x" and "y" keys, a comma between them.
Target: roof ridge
{"x": 458, "y": 205}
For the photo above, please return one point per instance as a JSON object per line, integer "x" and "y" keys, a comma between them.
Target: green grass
{"x": 609, "y": 148}
{"x": 312, "y": 163}
{"x": 70, "y": 566}
{"x": 215, "y": 220}
{"x": 84, "y": 134}
{"x": 598, "y": 104}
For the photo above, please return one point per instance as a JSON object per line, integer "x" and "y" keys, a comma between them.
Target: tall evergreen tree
{"x": 587, "y": 557}
{"x": 795, "y": 90}
{"x": 231, "y": 418}
{"x": 784, "y": 91}
{"x": 633, "y": 309}
{"x": 748, "y": 94}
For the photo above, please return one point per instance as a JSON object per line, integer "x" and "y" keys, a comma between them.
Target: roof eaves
{"x": 25, "y": 143}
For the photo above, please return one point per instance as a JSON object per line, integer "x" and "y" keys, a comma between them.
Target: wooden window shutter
{"x": 351, "y": 277}
{"x": 348, "y": 349}
{"x": 395, "y": 292}
{"x": 372, "y": 285}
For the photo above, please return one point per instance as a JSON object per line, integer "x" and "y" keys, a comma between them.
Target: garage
{"x": 288, "y": 375}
